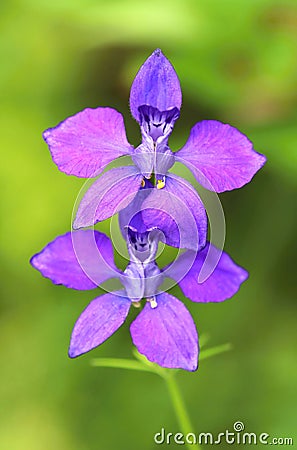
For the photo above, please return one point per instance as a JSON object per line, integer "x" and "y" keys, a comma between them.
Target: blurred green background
{"x": 236, "y": 61}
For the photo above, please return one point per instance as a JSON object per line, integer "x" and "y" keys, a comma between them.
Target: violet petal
{"x": 167, "y": 335}
{"x": 80, "y": 260}
{"x": 143, "y": 157}
{"x": 153, "y": 279}
{"x": 156, "y": 84}
{"x": 225, "y": 279}
{"x": 113, "y": 191}
{"x": 101, "y": 318}
{"x": 85, "y": 143}
{"x": 133, "y": 281}
{"x": 131, "y": 215}
{"x": 178, "y": 212}
{"x": 220, "y": 156}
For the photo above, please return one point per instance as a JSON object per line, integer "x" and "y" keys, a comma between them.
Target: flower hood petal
{"x": 156, "y": 84}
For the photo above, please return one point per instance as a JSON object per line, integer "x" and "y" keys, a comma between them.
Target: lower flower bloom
{"x": 164, "y": 331}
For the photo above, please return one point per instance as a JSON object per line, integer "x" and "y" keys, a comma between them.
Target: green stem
{"x": 168, "y": 375}
{"x": 180, "y": 409}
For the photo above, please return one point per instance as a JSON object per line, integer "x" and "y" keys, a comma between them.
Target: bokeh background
{"x": 236, "y": 61}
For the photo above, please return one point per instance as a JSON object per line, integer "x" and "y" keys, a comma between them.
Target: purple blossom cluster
{"x": 154, "y": 205}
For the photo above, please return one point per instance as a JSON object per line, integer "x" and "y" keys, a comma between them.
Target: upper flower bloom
{"x": 164, "y": 331}
{"x": 220, "y": 157}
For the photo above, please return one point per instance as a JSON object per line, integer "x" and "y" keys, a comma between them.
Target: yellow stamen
{"x": 136, "y": 304}
{"x": 161, "y": 183}
{"x": 142, "y": 183}
{"x": 153, "y": 302}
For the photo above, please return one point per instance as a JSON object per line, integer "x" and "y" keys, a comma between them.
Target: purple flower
{"x": 164, "y": 331}
{"x": 220, "y": 157}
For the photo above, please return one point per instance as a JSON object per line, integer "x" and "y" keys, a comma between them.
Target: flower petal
{"x": 167, "y": 335}
{"x": 131, "y": 215}
{"x": 156, "y": 84}
{"x": 223, "y": 282}
{"x": 80, "y": 260}
{"x": 178, "y": 212}
{"x": 101, "y": 318}
{"x": 220, "y": 156}
{"x": 143, "y": 157}
{"x": 85, "y": 143}
{"x": 153, "y": 279}
{"x": 113, "y": 191}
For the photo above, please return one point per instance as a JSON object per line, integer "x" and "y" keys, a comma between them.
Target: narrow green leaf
{"x": 213, "y": 351}
{"x": 121, "y": 363}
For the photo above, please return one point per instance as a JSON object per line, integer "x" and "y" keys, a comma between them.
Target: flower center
{"x": 157, "y": 125}
{"x": 139, "y": 241}
{"x": 154, "y": 156}
{"x": 142, "y": 246}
